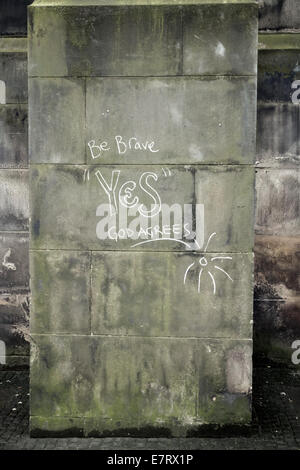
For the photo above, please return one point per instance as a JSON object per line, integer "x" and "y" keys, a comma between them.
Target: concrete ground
{"x": 276, "y": 404}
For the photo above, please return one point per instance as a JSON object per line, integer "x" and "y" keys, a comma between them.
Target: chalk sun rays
{"x": 206, "y": 265}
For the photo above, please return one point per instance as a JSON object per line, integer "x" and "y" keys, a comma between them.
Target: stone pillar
{"x": 142, "y": 144}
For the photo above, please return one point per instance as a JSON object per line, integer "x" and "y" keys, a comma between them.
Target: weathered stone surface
{"x": 277, "y": 261}
{"x": 14, "y": 327}
{"x": 278, "y": 137}
{"x": 227, "y": 195}
{"x": 123, "y": 342}
{"x": 115, "y": 40}
{"x": 191, "y": 120}
{"x": 64, "y": 427}
{"x": 13, "y": 72}
{"x": 16, "y": 363}
{"x": 66, "y": 217}
{"x": 13, "y": 17}
{"x": 141, "y": 40}
{"x": 278, "y": 118}
{"x": 150, "y": 294}
{"x": 65, "y": 201}
{"x": 276, "y": 327}
{"x": 60, "y": 282}
{"x": 277, "y": 70}
{"x": 279, "y": 41}
{"x": 13, "y": 44}
{"x": 159, "y": 382}
{"x": 57, "y": 120}
{"x": 14, "y": 269}
{"x": 220, "y": 39}
{"x": 278, "y": 14}
{"x": 13, "y": 136}
{"x": 278, "y": 202}
{"x": 14, "y": 200}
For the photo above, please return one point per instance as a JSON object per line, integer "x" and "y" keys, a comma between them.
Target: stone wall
{"x": 14, "y": 208}
{"x": 277, "y": 242}
{"x": 279, "y": 14}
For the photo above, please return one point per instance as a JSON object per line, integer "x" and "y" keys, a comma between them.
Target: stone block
{"x": 67, "y": 217}
{"x": 56, "y": 105}
{"x": 60, "y": 282}
{"x": 14, "y": 326}
{"x": 141, "y": 40}
{"x": 276, "y": 328}
{"x": 115, "y": 39}
{"x": 14, "y": 200}
{"x": 14, "y": 268}
{"x": 278, "y": 202}
{"x": 276, "y": 14}
{"x": 220, "y": 39}
{"x": 227, "y": 195}
{"x": 277, "y": 70}
{"x": 154, "y": 382}
{"x": 278, "y": 137}
{"x": 13, "y": 136}
{"x": 278, "y": 40}
{"x": 172, "y": 294}
{"x": 13, "y": 72}
{"x": 277, "y": 262}
{"x": 13, "y": 17}
{"x": 68, "y": 212}
{"x": 187, "y": 120}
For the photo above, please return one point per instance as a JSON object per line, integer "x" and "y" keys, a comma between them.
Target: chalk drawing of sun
{"x": 205, "y": 266}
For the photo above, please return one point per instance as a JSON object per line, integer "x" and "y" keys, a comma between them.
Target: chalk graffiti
{"x": 125, "y": 195}
{"x": 135, "y": 211}
{"x": 122, "y": 146}
{"x": 204, "y": 263}
{"x": 152, "y": 218}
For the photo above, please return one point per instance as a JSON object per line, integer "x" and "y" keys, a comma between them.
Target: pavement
{"x": 276, "y": 420}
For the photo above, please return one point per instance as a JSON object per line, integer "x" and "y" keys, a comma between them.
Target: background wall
{"x": 14, "y": 211}
{"x": 277, "y": 310}
{"x": 277, "y": 228}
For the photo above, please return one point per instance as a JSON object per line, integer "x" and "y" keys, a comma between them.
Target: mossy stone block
{"x": 159, "y": 382}
{"x": 190, "y": 120}
{"x": 228, "y": 197}
{"x": 57, "y": 120}
{"x": 220, "y": 39}
{"x": 109, "y": 40}
{"x": 13, "y": 136}
{"x": 13, "y": 72}
{"x": 14, "y": 200}
{"x": 278, "y": 138}
{"x": 60, "y": 283}
{"x": 172, "y": 294}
